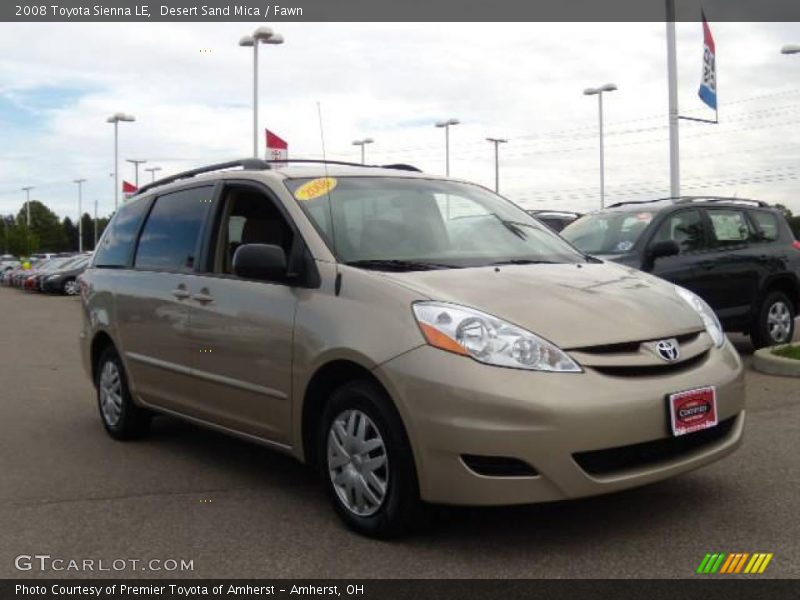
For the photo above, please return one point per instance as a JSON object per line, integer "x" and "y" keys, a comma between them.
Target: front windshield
{"x": 607, "y": 232}
{"x": 410, "y": 223}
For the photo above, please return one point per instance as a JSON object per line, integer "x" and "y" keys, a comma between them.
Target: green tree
{"x": 88, "y": 231}
{"x": 19, "y": 241}
{"x": 45, "y": 226}
{"x": 787, "y": 212}
{"x": 70, "y": 233}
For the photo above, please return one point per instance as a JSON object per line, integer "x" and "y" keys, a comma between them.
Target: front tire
{"x": 122, "y": 419}
{"x": 774, "y": 323}
{"x": 366, "y": 461}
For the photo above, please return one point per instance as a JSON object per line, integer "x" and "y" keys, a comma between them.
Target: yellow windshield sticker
{"x": 315, "y": 188}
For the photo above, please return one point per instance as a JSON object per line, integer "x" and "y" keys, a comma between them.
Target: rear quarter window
{"x": 116, "y": 246}
{"x": 767, "y": 224}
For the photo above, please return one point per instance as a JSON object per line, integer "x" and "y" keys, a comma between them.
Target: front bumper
{"x": 453, "y": 406}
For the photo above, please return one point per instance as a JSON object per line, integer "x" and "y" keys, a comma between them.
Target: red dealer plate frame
{"x": 692, "y": 410}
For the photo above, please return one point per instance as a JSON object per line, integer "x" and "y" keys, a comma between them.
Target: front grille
{"x": 611, "y": 460}
{"x": 632, "y": 347}
{"x": 651, "y": 370}
{"x": 498, "y": 466}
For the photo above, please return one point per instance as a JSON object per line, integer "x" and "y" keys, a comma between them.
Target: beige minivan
{"x": 416, "y": 338}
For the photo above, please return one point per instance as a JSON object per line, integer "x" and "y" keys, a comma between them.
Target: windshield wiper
{"x": 393, "y": 264}
{"x": 523, "y": 261}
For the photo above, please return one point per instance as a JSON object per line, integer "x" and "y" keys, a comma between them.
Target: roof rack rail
{"x": 258, "y": 164}
{"x": 689, "y": 199}
{"x": 398, "y": 166}
{"x": 624, "y": 203}
{"x": 245, "y": 163}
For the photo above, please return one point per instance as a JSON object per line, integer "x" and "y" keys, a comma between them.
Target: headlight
{"x": 710, "y": 320}
{"x": 488, "y": 339}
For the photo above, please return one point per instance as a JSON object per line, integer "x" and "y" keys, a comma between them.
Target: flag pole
{"x": 672, "y": 79}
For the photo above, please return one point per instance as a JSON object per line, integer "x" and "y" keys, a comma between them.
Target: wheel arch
{"x": 323, "y": 382}
{"x": 100, "y": 342}
{"x": 786, "y": 283}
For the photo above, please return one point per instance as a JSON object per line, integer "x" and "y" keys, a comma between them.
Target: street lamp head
{"x": 497, "y": 140}
{"x": 609, "y": 87}
{"x": 447, "y": 122}
{"x": 119, "y": 116}
{"x": 275, "y": 39}
{"x": 363, "y": 142}
{"x": 262, "y": 34}
{"x": 246, "y": 40}
{"x": 791, "y": 49}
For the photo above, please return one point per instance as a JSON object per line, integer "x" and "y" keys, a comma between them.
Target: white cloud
{"x": 390, "y": 81}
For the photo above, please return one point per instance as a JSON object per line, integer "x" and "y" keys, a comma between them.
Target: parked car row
{"x": 57, "y": 275}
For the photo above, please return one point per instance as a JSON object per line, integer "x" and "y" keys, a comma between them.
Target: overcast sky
{"x": 189, "y": 87}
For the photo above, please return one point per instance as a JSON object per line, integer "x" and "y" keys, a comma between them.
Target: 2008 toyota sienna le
{"x": 416, "y": 338}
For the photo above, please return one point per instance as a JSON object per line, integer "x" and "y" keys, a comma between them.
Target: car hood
{"x": 571, "y": 305}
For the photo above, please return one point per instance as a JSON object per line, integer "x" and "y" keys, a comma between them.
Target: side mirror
{"x": 260, "y": 261}
{"x": 665, "y": 248}
{"x": 660, "y": 250}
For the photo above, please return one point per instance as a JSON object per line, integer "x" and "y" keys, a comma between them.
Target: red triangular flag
{"x": 128, "y": 188}
{"x": 275, "y": 142}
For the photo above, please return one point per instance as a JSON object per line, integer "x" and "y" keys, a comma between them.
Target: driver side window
{"x": 249, "y": 217}
{"x": 684, "y": 227}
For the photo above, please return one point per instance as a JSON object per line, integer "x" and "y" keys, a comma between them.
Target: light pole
{"x": 598, "y": 91}
{"x": 115, "y": 119}
{"x": 446, "y": 124}
{"x": 152, "y": 171}
{"x": 94, "y": 247}
{"x": 791, "y": 49}
{"x": 27, "y": 190}
{"x": 263, "y": 35}
{"x": 363, "y": 143}
{"x": 136, "y": 162}
{"x": 80, "y": 213}
{"x": 497, "y": 142}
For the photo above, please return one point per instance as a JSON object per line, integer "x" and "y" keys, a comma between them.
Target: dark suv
{"x": 739, "y": 255}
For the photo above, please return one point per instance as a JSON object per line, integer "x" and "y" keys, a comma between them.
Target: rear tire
{"x": 774, "y": 323}
{"x": 366, "y": 461}
{"x": 122, "y": 419}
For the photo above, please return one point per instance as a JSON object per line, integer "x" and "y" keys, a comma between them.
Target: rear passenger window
{"x": 685, "y": 228}
{"x": 767, "y": 224}
{"x": 116, "y": 247}
{"x": 171, "y": 233}
{"x": 730, "y": 227}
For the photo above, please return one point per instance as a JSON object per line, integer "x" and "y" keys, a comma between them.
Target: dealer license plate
{"x": 692, "y": 410}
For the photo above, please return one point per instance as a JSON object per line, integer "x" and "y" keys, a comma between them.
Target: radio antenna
{"x": 328, "y": 193}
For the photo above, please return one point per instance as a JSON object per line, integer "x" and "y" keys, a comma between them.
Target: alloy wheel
{"x": 779, "y": 322}
{"x": 358, "y": 463}
{"x": 71, "y": 288}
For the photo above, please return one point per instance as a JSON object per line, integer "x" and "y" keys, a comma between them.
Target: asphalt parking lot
{"x": 239, "y": 510}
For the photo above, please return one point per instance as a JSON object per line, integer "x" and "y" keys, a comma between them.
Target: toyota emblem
{"x": 668, "y": 350}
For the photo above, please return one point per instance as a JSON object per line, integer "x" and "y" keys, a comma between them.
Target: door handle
{"x": 203, "y": 297}
{"x": 180, "y": 293}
